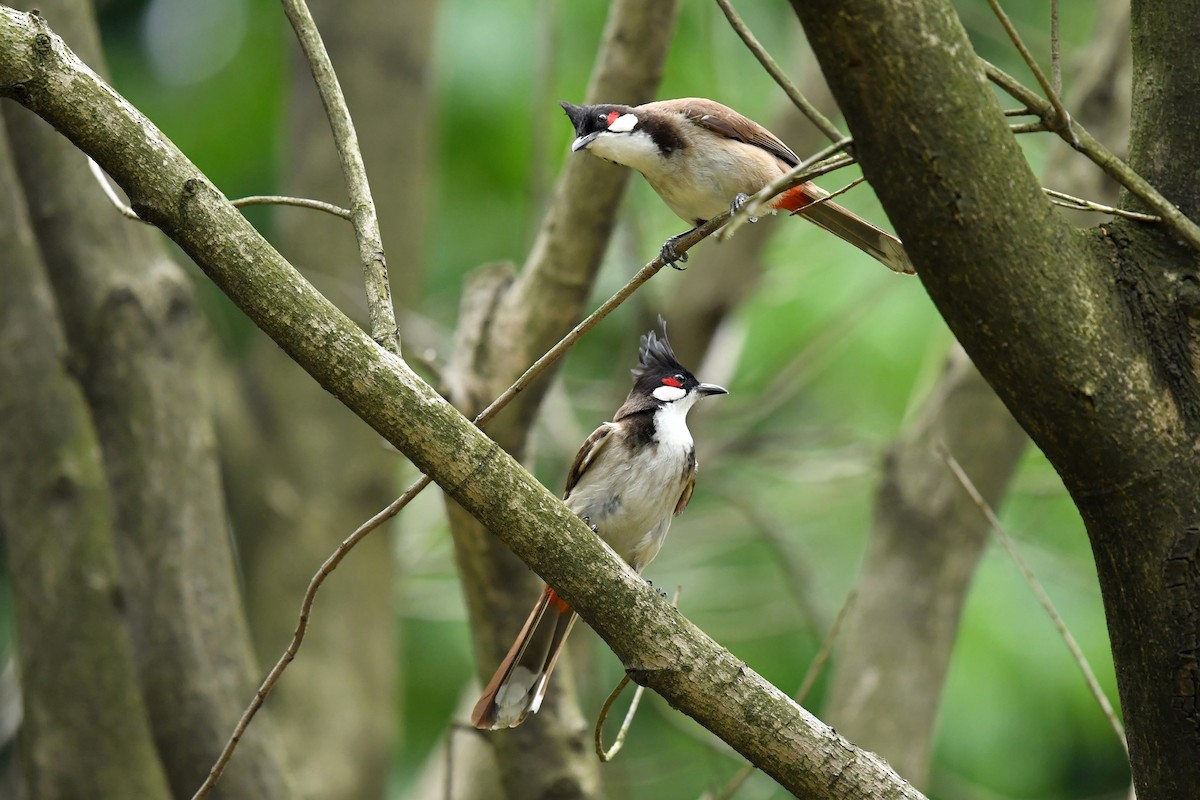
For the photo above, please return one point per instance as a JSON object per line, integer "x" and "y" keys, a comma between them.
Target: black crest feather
{"x": 655, "y": 355}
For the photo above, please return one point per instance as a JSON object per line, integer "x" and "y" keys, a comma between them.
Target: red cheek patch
{"x": 678, "y": 384}
{"x": 612, "y": 117}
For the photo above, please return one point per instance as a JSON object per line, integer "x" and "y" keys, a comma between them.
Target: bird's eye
{"x": 674, "y": 380}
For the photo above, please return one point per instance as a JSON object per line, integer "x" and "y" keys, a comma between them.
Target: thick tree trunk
{"x": 137, "y": 343}
{"x": 1089, "y": 340}
{"x": 84, "y": 732}
{"x": 927, "y": 535}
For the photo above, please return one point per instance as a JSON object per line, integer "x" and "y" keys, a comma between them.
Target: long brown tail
{"x": 517, "y": 688}
{"x": 845, "y": 224}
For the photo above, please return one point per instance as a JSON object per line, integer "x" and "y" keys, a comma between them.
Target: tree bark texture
{"x": 659, "y": 647}
{"x": 927, "y": 536}
{"x": 1088, "y": 338}
{"x": 84, "y": 731}
{"x": 138, "y": 345}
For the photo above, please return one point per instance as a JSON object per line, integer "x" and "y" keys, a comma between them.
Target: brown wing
{"x": 587, "y": 455}
{"x": 689, "y": 484}
{"x": 726, "y": 122}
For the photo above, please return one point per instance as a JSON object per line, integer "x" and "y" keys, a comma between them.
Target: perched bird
{"x": 630, "y": 478}
{"x": 703, "y": 158}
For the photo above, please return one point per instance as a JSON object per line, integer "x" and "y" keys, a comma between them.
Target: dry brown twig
{"x": 607, "y": 755}
{"x": 772, "y": 67}
{"x": 1104, "y": 158}
{"x": 1038, "y": 591}
{"x": 1062, "y": 119}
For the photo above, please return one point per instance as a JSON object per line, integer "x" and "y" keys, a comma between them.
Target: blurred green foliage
{"x": 863, "y": 346}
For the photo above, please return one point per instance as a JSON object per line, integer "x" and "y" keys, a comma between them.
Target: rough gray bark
{"x": 508, "y": 320}
{"x": 84, "y": 731}
{"x": 927, "y": 536}
{"x": 137, "y": 344}
{"x": 659, "y": 647}
{"x": 1088, "y": 338}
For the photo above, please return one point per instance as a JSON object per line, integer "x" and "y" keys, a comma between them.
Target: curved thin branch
{"x": 366, "y": 222}
{"x": 1039, "y": 592}
{"x": 789, "y": 88}
{"x": 1062, "y": 119}
{"x": 302, "y": 202}
{"x": 1080, "y": 204}
{"x": 253, "y": 200}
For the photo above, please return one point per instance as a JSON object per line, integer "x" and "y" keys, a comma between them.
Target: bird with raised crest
{"x": 629, "y": 480}
{"x": 703, "y": 158}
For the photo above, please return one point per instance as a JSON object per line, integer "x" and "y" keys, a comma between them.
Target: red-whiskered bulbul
{"x": 630, "y": 478}
{"x": 703, "y": 158}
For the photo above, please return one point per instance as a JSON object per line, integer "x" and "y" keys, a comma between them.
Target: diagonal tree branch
{"x": 660, "y": 648}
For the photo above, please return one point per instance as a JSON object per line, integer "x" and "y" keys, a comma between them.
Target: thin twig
{"x": 810, "y": 678}
{"x": 331, "y": 563}
{"x": 537, "y": 368}
{"x": 254, "y": 200}
{"x": 1079, "y": 204}
{"x": 608, "y": 755}
{"x": 302, "y": 202}
{"x": 366, "y": 222}
{"x": 797, "y": 97}
{"x": 1055, "y": 50}
{"x": 812, "y": 167}
{"x": 800, "y": 212}
{"x": 1062, "y": 119}
{"x": 111, "y": 193}
{"x": 1038, "y": 591}
{"x": 1029, "y": 127}
{"x": 1104, "y": 158}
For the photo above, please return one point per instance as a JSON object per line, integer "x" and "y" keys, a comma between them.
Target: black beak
{"x": 583, "y": 141}
{"x": 711, "y": 388}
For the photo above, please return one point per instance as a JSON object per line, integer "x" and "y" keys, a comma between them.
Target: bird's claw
{"x": 739, "y": 200}
{"x": 660, "y": 592}
{"x": 669, "y": 255}
{"x": 588, "y": 521}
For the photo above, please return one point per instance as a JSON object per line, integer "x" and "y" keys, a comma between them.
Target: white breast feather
{"x": 632, "y": 500}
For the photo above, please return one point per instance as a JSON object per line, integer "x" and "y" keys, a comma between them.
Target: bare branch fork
{"x": 384, "y": 329}
{"x": 1061, "y": 122}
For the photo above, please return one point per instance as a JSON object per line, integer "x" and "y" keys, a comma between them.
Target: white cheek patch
{"x": 624, "y": 123}
{"x": 668, "y": 394}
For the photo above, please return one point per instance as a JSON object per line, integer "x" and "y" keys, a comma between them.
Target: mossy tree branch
{"x": 659, "y": 646}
